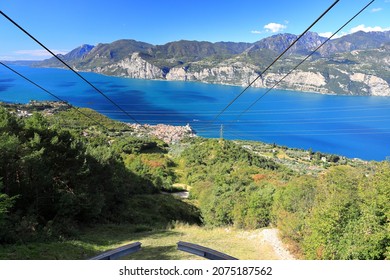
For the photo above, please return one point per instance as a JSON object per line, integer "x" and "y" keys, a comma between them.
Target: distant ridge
{"x": 337, "y": 67}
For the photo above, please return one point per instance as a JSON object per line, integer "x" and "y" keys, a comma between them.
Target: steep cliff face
{"x": 310, "y": 81}
{"x": 333, "y": 81}
{"x": 240, "y": 74}
{"x": 133, "y": 67}
{"x": 376, "y": 86}
{"x": 236, "y": 74}
{"x": 298, "y": 80}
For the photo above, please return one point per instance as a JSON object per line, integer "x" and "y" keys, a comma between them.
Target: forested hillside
{"x": 54, "y": 180}
{"x": 341, "y": 213}
{"x": 62, "y": 172}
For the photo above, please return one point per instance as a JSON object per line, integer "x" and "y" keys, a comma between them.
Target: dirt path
{"x": 183, "y": 194}
{"x": 271, "y": 236}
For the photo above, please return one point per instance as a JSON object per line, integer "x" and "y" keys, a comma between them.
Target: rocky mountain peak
{"x": 79, "y": 53}
{"x": 280, "y": 42}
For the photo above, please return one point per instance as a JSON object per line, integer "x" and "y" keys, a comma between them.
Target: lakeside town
{"x": 167, "y": 133}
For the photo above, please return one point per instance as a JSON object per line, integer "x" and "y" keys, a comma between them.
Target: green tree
{"x": 370, "y": 235}
{"x": 292, "y": 204}
{"x": 5, "y": 204}
{"x": 258, "y": 204}
{"x": 335, "y": 207}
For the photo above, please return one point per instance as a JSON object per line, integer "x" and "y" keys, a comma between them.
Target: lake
{"x": 353, "y": 126}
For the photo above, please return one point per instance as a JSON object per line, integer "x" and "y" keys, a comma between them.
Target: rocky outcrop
{"x": 298, "y": 80}
{"x": 241, "y": 74}
{"x": 133, "y": 67}
{"x": 376, "y": 86}
{"x": 235, "y": 74}
{"x": 177, "y": 74}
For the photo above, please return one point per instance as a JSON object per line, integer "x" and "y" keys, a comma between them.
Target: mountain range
{"x": 355, "y": 64}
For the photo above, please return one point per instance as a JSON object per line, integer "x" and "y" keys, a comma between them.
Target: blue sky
{"x": 64, "y": 25}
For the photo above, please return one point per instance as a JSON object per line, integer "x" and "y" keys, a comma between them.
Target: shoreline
{"x": 170, "y": 134}
{"x": 361, "y": 115}
{"x": 208, "y": 83}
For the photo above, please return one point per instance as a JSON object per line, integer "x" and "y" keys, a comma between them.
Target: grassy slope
{"x": 157, "y": 244}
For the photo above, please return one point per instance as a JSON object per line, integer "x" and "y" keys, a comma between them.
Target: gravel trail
{"x": 271, "y": 236}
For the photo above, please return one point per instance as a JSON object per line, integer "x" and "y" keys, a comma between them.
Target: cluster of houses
{"x": 167, "y": 133}
{"x": 46, "y": 107}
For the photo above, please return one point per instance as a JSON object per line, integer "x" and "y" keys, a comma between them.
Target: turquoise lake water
{"x": 353, "y": 126}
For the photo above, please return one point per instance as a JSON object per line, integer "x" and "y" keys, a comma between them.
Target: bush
{"x": 344, "y": 215}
